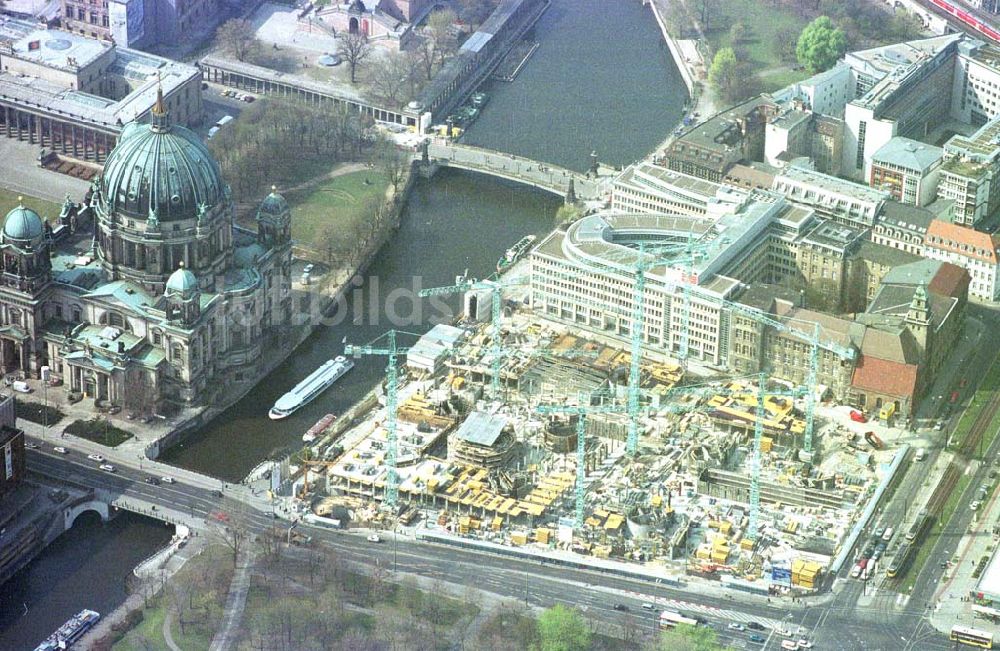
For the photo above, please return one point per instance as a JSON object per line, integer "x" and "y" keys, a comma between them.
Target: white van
{"x": 212, "y": 132}
{"x": 224, "y": 120}
{"x": 920, "y": 455}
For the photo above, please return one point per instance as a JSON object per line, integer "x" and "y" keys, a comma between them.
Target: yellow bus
{"x": 971, "y": 636}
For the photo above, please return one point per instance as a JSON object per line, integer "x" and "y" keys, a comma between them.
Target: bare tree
{"x": 354, "y": 48}
{"x": 390, "y": 161}
{"x": 234, "y": 534}
{"x": 391, "y": 77}
{"x": 237, "y": 37}
{"x": 425, "y": 53}
{"x": 440, "y": 24}
{"x": 140, "y": 397}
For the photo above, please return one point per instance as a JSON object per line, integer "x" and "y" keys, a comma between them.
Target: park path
{"x": 167, "y": 636}
{"x": 340, "y": 170}
{"x": 235, "y": 603}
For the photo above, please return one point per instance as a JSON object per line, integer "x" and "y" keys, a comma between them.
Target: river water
{"x": 86, "y": 567}
{"x": 601, "y": 79}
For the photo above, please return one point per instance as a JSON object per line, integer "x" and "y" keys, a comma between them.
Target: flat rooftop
{"x": 49, "y": 47}
{"x": 804, "y": 176}
{"x": 139, "y": 69}
{"x": 481, "y": 428}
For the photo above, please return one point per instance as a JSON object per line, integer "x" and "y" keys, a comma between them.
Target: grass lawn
{"x": 38, "y": 413}
{"x": 46, "y": 209}
{"x": 98, "y": 430}
{"x": 148, "y": 635}
{"x": 341, "y": 200}
{"x": 778, "y": 79}
{"x": 764, "y": 23}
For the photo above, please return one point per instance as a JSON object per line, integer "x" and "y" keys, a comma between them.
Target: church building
{"x": 167, "y": 300}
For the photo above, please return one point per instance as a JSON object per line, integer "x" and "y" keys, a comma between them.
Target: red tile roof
{"x": 950, "y": 280}
{"x": 885, "y": 377}
{"x": 952, "y": 237}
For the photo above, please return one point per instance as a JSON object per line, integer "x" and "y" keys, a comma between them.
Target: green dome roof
{"x": 162, "y": 168}
{"x": 22, "y": 224}
{"x": 182, "y": 282}
{"x": 274, "y": 203}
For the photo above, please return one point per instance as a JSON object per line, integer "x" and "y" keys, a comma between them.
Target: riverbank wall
{"x": 396, "y": 203}
{"x": 675, "y": 51}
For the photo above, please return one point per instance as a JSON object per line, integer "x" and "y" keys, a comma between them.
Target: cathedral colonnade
{"x": 78, "y": 140}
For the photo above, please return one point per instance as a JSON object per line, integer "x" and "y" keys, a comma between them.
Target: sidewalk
{"x": 950, "y": 606}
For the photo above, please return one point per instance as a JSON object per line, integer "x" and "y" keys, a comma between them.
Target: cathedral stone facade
{"x": 167, "y": 300}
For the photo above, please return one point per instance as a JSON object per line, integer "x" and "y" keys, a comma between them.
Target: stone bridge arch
{"x": 71, "y": 513}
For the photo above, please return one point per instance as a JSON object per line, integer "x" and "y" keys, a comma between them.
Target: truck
{"x": 874, "y": 440}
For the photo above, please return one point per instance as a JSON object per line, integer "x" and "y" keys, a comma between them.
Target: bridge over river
{"x": 592, "y": 186}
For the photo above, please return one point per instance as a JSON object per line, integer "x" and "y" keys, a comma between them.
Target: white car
{"x": 648, "y": 606}
{"x": 735, "y": 626}
{"x": 60, "y": 449}
{"x": 975, "y": 505}
{"x": 107, "y": 467}
{"x": 374, "y": 538}
{"x": 96, "y": 457}
{"x": 167, "y": 480}
{"x": 789, "y": 645}
{"x": 805, "y": 644}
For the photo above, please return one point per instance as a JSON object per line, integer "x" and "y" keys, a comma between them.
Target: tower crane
{"x": 581, "y": 412}
{"x": 386, "y": 345}
{"x": 496, "y": 288}
{"x": 813, "y": 339}
{"x": 646, "y": 258}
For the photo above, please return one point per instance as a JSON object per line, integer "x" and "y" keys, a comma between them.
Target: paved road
{"x": 833, "y": 625}
{"x": 19, "y": 172}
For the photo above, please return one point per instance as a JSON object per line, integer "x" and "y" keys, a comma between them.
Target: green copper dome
{"x": 274, "y": 203}
{"x": 182, "y": 282}
{"x": 22, "y": 224}
{"x": 161, "y": 170}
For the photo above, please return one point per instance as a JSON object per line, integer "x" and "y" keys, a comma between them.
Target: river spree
{"x": 601, "y": 80}
{"x": 85, "y": 568}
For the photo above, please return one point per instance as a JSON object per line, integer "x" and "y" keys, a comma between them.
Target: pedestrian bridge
{"x": 551, "y": 178}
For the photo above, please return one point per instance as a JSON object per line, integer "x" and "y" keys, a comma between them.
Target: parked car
{"x": 879, "y": 532}
{"x": 887, "y": 536}
{"x": 789, "y": 645}
{"x": 20, "y": 387}
{"x": 805, "y": 644}
{"x": 858, "y": 417}
{"x": 953, "y": 398}
{"x": 975, "y": 505}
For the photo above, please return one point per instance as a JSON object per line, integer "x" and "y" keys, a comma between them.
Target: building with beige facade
{"x": 72, "y": 94}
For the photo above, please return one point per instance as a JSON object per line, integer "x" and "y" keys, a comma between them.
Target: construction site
{"x": 509, "y": 429}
